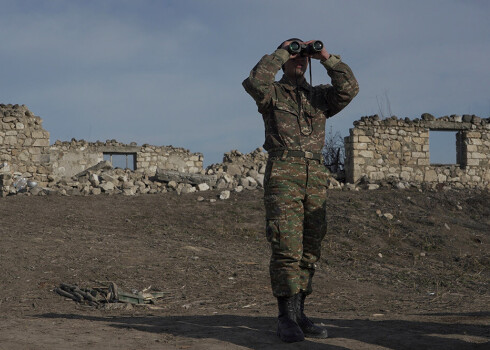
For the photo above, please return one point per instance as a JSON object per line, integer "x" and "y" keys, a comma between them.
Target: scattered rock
{"x": 224, "y": 195}
{"x": 388, "y": 216}
{"x": 203, "y": 187}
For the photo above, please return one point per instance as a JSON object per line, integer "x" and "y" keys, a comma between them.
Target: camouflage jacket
{"x": 295, "y": 114}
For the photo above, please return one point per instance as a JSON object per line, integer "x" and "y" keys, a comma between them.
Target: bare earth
{"x": 417, "y": 281}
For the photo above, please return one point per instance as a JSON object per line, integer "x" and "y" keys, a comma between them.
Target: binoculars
{"x": 295, "y": 47}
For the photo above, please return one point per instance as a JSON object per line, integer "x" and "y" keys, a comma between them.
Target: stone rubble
{"x": 237, "y": 173}
{"x": 30, "y": 166}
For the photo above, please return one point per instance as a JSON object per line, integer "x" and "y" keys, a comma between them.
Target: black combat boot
{"x": 310, "y": 330}
{"x": 287, "y": 328}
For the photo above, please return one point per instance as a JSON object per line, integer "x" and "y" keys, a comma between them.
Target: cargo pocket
{"x": 273, "y": 214}
{"x": 272, "y": 209}
{"x": 272, "y": 232}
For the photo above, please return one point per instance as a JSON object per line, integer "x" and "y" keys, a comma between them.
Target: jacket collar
{"x": 291, "y": 85}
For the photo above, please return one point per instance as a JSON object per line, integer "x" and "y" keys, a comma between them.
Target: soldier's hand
{"x": 285, "y": 46}
{"x": 322, "y": 55}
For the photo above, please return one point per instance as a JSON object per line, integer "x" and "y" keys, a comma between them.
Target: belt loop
{"x": 284, "y": 154}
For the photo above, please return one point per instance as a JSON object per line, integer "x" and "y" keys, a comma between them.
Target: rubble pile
{"x": 238, "y": 172}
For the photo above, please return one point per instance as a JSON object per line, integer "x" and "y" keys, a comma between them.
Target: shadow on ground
{"x": 259, "y": 332}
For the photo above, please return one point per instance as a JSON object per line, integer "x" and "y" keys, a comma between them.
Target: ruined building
{"x": 24, "y": 144}
{"x": 399, "y": 149}
{"x": 25, "y": 151}
{"x": 376, "y": 150}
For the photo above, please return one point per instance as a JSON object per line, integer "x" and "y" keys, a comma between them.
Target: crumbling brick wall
{"x": 399, "y": 149}
{"x": 24, "y": 145}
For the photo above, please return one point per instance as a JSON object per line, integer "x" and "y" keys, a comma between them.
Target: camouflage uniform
{"x": 294, "y": 115}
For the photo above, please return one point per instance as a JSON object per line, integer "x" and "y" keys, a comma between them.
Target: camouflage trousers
{"x": 295, "y": 204}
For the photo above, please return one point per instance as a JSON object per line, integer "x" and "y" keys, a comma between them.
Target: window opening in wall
{"x": 443, "y": 147}
{"x": 122, "y": 160}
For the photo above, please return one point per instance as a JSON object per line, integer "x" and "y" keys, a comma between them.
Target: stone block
{"x": 473, "y": 134}
{"x": 395, "y": 146}
{"x": 360, "y": 146}
{"x": 473, "y": 162}
{"x": 430, "y": 176}
{"x": 476, "y": 155}
{"x": 477, "y": 142}
{"x": 203, "y": 187}
{"x": 41, "y": 143}
{"x": 96, "y": 191}
{"x": 357, "y": 132}
{"x": 10, "y": 140}
{"x": 419, "y": 155}
{"x": 366, "y": 154}
{"x": 378, "y": 175}
{"x": 419, "y": 140}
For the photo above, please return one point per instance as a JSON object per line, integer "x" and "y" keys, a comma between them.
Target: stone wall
{"x": 71, "y": 158}
{"x": 150, "y": 158}
{"x": 24, "y": 146}
{"x": 399, "y": 149}
{"x": 26, "y": 157}
{"x": 376, "y": 151}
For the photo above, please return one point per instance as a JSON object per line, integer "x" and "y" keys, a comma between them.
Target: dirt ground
{"x": 418, "y": 280}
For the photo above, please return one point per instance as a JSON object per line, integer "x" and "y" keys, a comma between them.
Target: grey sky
{"x": 170, "y": 72}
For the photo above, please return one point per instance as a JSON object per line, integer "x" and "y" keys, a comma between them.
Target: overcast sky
{"x": 170, "y": 72}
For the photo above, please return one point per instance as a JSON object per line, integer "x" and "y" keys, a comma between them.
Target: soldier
{"x": 294, "y": 114}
